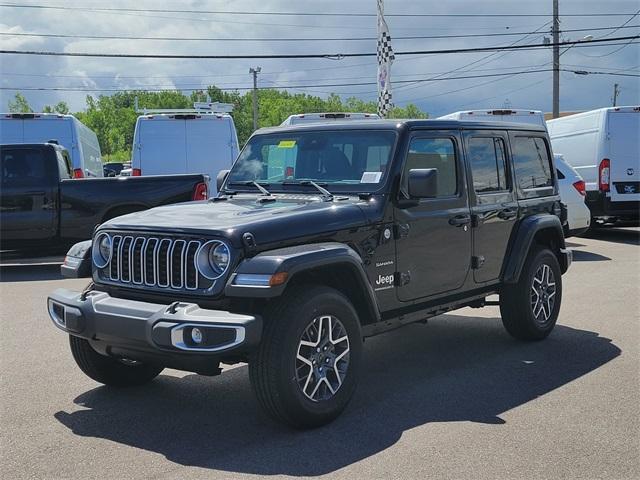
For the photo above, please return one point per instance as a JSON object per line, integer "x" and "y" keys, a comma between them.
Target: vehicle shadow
{"x": 582, "y": 256}
{"x": 454, "y": 369}
{"x": 30, "y": 273}
{"x": 630, "y": 236}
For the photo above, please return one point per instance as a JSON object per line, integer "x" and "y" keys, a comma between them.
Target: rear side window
{"x": 64, "y": 170}
{"x": 438, "y": 153}
{"x": 23, "y": 167}
{"x": 532, "y": 166}
{"x": 488, "y": 164}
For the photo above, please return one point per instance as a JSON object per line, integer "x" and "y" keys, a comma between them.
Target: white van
{"x": 535, "y": 117}
{"x": 169, "y": 143}
{"x": 603, "y": 146}
{"x": 69, "y": 132}
{"x": 327, "y": 117}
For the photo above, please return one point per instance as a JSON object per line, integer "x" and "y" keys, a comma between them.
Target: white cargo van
{"x": 327, "y": 117}
{"x": 169, "y": 143}
{"x": 535, "y": 117}
{"x": 603, "y": 146}
{"x": 69, "y": 132}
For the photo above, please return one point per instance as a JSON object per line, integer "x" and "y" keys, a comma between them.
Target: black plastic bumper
{"x": 155, "y": 333}
{"x": 602, "y": 207}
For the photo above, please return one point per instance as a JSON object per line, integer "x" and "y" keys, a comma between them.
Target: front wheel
{"x": 530, "y": 307}
{"x": 108, "y": 370}
{"x": 306, "y": 368}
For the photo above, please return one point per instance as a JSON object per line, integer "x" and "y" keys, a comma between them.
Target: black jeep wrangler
{"x": 322, "y": 235}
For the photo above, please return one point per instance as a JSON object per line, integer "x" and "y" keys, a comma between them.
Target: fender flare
{"x": 523, "y": 240}
{"x": 295, "y": 260}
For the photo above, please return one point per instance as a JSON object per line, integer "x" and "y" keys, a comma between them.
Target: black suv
{"x": 322, "y": 235}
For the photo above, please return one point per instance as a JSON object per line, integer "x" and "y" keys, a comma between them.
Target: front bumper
{"x": 152, "y": 332}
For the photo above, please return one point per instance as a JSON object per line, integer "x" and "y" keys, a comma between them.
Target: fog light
{"x": 196, "y": 335}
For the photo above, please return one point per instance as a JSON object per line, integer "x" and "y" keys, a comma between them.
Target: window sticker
{"x": 287, "y": 144}
{"x": 371, "y": 177}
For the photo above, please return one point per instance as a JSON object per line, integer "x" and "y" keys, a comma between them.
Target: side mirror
{"x": 222, "y": 176}
{"x": 423, "y": 182}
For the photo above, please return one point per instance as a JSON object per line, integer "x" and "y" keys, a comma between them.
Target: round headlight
{"x": 101, "y": 251}
{"x": 213, "y": 259}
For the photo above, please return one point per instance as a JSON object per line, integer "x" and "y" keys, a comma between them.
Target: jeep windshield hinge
{"x": 401, "y": 230}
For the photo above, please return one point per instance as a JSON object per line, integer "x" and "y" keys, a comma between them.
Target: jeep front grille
{"x": 154, "y": 263}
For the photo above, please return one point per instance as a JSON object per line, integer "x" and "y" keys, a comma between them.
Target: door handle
{"x": 460, "y": 220}
{"x": 508, "y": 213}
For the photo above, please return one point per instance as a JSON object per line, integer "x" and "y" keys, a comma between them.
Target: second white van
{"x": 533, "y": 117}
{"x": 167, "y": 143}
{"x": 603, "y": 146}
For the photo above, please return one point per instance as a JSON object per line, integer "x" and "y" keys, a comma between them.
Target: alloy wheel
{"x": 543, "y": 293}
{"x": 322, "y": 359}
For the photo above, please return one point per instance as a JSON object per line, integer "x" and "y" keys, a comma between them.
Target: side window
{"x": 438, "y": 153}
{"x": 488, "y": 164}
{"x": 532, "y": 166}
{"x": 24, "y": 167}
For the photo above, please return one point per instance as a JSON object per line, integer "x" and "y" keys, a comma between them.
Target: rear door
{"x": 11, "y": 129}
{"x": 208, "y": 146}
{"x": 162, "y": 144}
{"x": 494, "y": 207}
{"x": 28, "y": 197}
{"x": 623, "y": 133}
{"x": 433, "y": 246}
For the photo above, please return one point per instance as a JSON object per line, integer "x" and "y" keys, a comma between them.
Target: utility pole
{"x": 556, "y": 60}
{"x": 616, "y": 92}
{"x": 255, "y": 72}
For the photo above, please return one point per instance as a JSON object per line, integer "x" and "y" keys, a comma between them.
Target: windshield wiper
{"x": 327, "y": 196}
{"x": 249, "y": 183}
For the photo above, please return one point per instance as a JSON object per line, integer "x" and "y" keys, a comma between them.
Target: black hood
{"x": 289, "y": 216}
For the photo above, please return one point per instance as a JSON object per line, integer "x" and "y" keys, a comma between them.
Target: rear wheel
{"x": 306, "y": 368}
{"x": 109, "y": 370}
{"x": 530, "y": 307}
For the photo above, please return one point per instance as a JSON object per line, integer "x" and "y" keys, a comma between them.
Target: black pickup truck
{"x": 323, "y": 235}
{"x": 42, "y": 208}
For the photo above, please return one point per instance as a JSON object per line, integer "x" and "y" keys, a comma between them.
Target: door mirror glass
{"x": 423, "y": 183}
{"x": 222, "y": 176}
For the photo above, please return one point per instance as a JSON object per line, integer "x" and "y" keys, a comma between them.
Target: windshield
{"x": 349, "y": 160}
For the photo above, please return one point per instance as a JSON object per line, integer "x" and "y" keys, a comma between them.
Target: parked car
{"x": 69, "y": 132}
{"x": 41, "y": 208}
{"x": 604, "y": 147}
{"x": 112, "y": 169}
{"x": 170, "y": 143}
{"x": 290, "y": 272}
{"x": 572, "y": 194}
{"x": 327, "y": 117}
{"x": 533, "y": 117}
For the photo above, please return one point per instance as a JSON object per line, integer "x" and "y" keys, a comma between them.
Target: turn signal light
{"x": 278, "y": 279}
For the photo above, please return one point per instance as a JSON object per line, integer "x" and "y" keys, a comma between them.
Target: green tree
{"x": 19, "y": 104}
{"x": 60, "y": 107}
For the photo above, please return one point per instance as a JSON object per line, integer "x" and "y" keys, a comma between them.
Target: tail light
{"x": 604, "y": 170}
{"x": 580, "y": 187}
{"x": 78, "y": 173}
{"x": 201, "y": 191}
{"x": 136, "y": 172}
{"x": 288, "y": 172}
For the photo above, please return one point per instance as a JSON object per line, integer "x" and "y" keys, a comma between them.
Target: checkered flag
{"x": 385, "y": 59}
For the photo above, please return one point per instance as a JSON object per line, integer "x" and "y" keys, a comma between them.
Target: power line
{"x": 307, "y": 14}
{"x": 335, "y": 56}
{"x": 312, "y": 39}
{"x": 276, "y": 86}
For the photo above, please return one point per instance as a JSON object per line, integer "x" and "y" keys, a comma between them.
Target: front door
{"x": 433, "y": 246}
{"x": 493, "y": 204}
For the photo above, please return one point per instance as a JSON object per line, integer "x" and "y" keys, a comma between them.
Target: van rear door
{"x": 162, "y": 146}
{"x": 12, "y": 129}
{"x": 208, "y": 146}
{"x": 624, "y": 154}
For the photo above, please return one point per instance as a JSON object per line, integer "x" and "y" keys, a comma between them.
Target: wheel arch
{"x": 541, "y": 229}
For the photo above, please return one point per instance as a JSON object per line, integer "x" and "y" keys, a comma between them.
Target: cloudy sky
{"x": 80, "y": 76}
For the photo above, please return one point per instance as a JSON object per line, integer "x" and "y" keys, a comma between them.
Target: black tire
{"x": 522, "y": 316}
{"x": 107, "y": 370}
{"x": 277, "y": 373}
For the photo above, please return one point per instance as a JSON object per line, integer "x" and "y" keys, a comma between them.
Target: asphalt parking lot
{"x": 456, "y": 398}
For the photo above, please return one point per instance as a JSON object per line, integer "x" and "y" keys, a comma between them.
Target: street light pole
{"x": 556, "y": 60}
{"x": 616, "y": 92}
{"x": 255, "y": 72}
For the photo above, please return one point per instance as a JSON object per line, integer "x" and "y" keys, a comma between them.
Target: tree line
{"x": 113, "y": 117}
